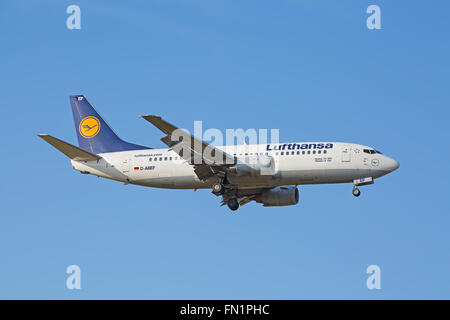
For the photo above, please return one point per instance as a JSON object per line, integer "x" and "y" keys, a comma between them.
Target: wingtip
{"x": 149, "y": 116}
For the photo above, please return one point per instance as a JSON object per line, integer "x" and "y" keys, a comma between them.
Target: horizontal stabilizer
{"x": 69, "y": 150}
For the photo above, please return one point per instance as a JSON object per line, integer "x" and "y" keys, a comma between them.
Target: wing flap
{"x": 68, "y": 149}
{"x": 203, "y": 172}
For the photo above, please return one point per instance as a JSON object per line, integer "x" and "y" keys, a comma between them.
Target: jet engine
{"x": 279, "y": 196}
{"x": 254, "y": 165}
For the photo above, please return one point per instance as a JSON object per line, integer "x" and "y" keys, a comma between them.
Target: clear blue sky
{"x": 310, "y": 68}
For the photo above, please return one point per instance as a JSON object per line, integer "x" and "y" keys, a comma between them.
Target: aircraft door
{"x": 126, "y": 163}
{"x": 346, "y": 154}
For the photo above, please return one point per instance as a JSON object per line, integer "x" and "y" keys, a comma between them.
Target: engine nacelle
{"x": 279, "y": 196}
{"x": 254, "y": 165}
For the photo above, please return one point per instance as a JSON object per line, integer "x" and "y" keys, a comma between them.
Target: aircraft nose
{"x": 392, "y": 165}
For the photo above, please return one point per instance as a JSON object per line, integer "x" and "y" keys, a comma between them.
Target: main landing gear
{"x": 233, "y": 204}
{"x": 218, "y": 189}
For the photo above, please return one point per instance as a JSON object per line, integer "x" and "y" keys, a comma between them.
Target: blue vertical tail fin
{"x": 94, "y": 134}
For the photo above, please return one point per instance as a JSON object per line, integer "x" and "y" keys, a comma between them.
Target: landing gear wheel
{"x": 233, "y": 204}
{"x": 356, "y": 191}
{"x": 218, "y": 189}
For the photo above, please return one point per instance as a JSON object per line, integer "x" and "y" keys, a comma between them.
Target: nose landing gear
{"x": 360, "y": 182}
{"x": 356, "y": 191}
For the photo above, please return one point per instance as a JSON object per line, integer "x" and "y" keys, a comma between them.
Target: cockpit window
{"x": 371, "y": 151}
{"x": 378, "y": 151}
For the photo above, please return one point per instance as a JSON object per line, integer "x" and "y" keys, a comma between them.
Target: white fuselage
{"x": 295, "y": 164}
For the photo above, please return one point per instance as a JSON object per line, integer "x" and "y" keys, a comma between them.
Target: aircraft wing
{"x": 206, "y": 159}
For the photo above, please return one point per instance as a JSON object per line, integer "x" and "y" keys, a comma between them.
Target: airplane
{"x": 268, "y": 174}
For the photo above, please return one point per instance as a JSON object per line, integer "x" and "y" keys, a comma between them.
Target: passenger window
{"x": 150, "y": 159}
{"x": 319, "y": 152}
{"x": 160, "y": 159}
{"x": 156, "y": 159}
{"x": 309, "y": 152}
{"x": 276, "y": 153}
{"x": 282, "y": 153}
{"x": 170, "y": 158}
{"x": 314, "y": 152}
{"x": 298, "y": 152}
{"x": 324, "y": 151}
{"x": 303, "y": 152}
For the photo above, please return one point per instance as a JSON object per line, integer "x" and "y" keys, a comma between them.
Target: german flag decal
{"x": 136, "y": 168}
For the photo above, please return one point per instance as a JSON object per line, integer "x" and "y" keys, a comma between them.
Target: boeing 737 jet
{"x": 265, "y": 173}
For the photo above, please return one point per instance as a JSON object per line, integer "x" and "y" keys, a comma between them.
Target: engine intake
{"x": 279, "y": 196}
